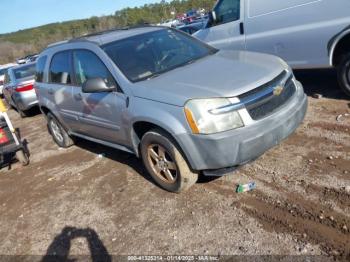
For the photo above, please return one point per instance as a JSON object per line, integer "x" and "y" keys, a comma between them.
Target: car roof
{"x": 105, "y": 37}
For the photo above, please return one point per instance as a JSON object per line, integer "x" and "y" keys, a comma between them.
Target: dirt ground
{"x": 70, "y": 201}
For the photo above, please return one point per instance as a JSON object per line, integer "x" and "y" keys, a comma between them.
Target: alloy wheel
{"x": 56, "y": 131}
{"x": 162, "y": 164}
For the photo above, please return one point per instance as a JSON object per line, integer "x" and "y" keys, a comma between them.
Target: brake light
{"x": 24, "y": 88}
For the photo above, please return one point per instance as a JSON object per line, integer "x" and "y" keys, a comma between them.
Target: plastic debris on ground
{"x": 246, "y": 187}
{"x": 340, "y": 117}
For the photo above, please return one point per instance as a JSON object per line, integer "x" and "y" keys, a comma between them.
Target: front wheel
{"x": 343, "y": 70}
{"x": 165, "y": 162}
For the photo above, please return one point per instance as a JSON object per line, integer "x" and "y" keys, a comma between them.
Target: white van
{"x": 305, "y": 33}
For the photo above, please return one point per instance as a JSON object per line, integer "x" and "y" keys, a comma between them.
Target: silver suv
{"x": 183, "y": 106}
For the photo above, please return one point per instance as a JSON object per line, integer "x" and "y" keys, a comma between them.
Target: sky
{"x": 22, "y": 14}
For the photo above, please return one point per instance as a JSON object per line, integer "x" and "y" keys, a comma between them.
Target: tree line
{"x": 33, "y": 40}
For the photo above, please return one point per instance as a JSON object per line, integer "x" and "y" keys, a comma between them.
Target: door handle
{"x": 51, "y": 91}
{"x": 78, "y": 96}
{"x": 241, "y": 28}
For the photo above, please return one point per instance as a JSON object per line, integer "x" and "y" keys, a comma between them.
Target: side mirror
{"x": 211, "y": 19}
{"x": 213, "y": 16}
{"x": 96, "y": 85}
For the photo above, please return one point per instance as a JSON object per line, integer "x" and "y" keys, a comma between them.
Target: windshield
{"x": 24, "y": 71}
{"x": 148, "y": 55}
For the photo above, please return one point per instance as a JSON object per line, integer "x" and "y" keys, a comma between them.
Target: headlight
{"x": 202, "y": 121}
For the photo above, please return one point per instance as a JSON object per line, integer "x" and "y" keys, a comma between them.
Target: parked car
{"x": 18, "y": 88}
{"x": 184, "y": 107}
{"x": 3, "y": 69}
{"x": 193, "y": 27}
{"x": 305, "y": 33}
{"x": 21, "y": 60}
{"x": 33, "y": 58}
{"x": 27, "y": 59}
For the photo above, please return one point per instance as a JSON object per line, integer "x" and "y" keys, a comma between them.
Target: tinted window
{"x": 227, "y": 11}
{"x": 87, "y": 66}
{"x": 40, "y": 65}
{"x": 147, "y": 55}
{"x": 24, "y": 71}
{"x": 60, "y": 69}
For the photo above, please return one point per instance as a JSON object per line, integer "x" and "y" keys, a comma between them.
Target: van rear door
{"x": 227, "y": 30}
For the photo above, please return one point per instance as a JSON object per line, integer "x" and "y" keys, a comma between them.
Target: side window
{"x": 40, "y": 65}
{"x": 87, "y": 65}
{"x": 60, "y": 69}
{"x": 227, "y": 11}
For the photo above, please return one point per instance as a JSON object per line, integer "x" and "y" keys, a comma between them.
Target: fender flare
{"x": 334, "y": 42}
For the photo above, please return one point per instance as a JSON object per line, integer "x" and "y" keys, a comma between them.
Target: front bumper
{"x": 233, "y": 148}
{"x": 25, "y": 100}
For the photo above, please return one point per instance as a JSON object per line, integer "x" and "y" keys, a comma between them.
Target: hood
{"x": 224, "y": 74}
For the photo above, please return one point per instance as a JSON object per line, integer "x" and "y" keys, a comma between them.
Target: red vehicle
{"x": 10, "y": 143}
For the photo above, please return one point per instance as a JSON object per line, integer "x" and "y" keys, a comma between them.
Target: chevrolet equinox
{"x": 184, "y": 107}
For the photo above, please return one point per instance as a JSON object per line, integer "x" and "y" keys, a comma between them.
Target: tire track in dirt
{"x": 341, "y": 128}
{"x": 341, "y": 197}
{"x": 304, "y": 219}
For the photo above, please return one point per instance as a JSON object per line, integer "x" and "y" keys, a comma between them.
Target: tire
{"x": 22, "y": 114}
{"x": 343, "y": 71}
{"x": 58, "y": 133}
{"x": 22, "y": 157}
{"x": 170, "y": 163}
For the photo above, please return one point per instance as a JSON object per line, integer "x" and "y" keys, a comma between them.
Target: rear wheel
{"x": 344, "y": 73}
{"x": 58, "y": 133}
{"x": 165, "y": 162}
{"x": 22, "y": 113}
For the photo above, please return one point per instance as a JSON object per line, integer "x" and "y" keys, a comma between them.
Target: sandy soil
{"x": 70, "y": 201}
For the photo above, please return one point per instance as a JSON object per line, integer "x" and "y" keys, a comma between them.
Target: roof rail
{"x": 100, "y": 33}
{"x": 57, "y": 43}
{"x": 83, "y": 38}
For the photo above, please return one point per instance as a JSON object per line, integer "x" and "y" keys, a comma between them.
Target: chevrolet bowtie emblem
{"x": 278, "y": 90}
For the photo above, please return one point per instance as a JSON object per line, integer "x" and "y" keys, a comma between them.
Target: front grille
{"x": 266, "y": 103}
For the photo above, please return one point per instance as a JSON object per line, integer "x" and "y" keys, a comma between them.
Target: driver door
{"x": 226, "y": 29}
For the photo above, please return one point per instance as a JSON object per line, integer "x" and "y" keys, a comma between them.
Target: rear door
{"x": 228, "y": 30}
{"x": 58, "y": 90}
{"x": 100, "y": 113}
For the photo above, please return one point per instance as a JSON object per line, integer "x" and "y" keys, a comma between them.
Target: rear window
{"x": 40, "y": 65}
{"x": 24, "y": 71}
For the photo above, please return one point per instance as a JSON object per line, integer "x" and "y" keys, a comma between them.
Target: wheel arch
{"x": 45, "y": 110}
{"x": 141, "y": 127}
{"x": 339, "y": 45}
